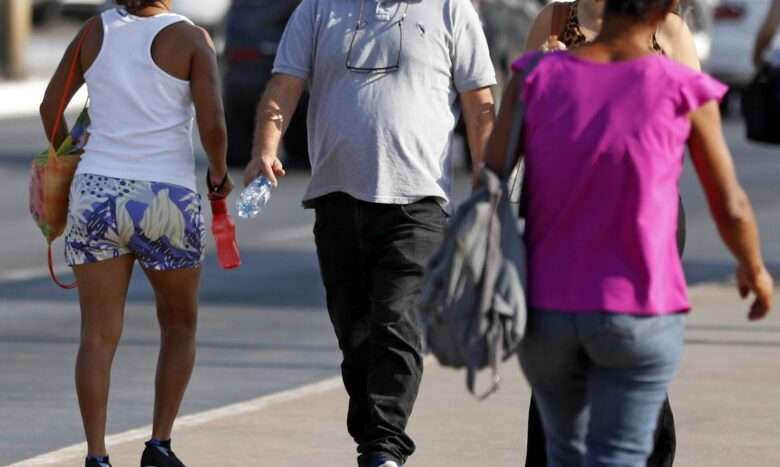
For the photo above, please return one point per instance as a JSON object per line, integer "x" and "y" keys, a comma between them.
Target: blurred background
{"x": 35, "y": 33}
{"x": 262, "y": 328}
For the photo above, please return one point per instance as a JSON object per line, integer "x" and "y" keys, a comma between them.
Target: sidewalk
{"x": 20, "y": 99}
{"x": 725, "y": 403}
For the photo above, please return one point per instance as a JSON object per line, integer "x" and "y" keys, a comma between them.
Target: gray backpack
{"x": 473, "y": 294}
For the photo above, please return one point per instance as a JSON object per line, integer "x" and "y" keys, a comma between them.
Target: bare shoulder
{"x": 675, "y": 31}
{"x": 677, "y": 41}
{"x": 201, "y": 37}
{"x": 92, "y": 33}
{"x": 540, "y": 29}
{"x": 673, "y": 24}
{"x": 544, "y": 18}
{"x": 188, "y": 35}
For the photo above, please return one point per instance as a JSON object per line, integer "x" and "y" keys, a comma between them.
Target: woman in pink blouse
{"x": 606, "y": 287}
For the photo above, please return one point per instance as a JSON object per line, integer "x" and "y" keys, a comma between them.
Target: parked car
{"x": 252, "y": 32}
{"x": 736, "y": 23}
{"x": 43, "y": 10}
{"x": 698, "y": 15}
{"x": 209, "y": 14}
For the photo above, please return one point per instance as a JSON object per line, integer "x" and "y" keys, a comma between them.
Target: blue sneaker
{"x": 159, "y": 456}
{"x": 92, "y": 462}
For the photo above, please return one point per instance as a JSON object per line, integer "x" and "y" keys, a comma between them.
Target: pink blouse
{"x": 604, "y": 146}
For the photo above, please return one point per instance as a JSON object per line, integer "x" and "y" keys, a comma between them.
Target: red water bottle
{"x": 224, "y": 230}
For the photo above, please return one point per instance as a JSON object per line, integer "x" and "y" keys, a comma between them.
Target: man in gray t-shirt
{"x": 387, "y": 82}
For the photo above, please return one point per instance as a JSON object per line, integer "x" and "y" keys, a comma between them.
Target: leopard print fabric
{"x": 572, "y": 35}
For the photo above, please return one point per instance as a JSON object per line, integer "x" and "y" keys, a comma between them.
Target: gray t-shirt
{"x": 384, "y": 138}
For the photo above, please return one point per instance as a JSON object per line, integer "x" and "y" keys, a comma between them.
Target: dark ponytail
{"x": 134, "y": 5}
{"x": 637, "y": 9}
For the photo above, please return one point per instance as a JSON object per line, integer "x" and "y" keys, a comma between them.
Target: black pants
{"x": 665, "y": 439}
{"x": 372, "y": 257}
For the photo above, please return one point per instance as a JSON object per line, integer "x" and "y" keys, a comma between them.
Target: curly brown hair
{"x": 137, "y": 4}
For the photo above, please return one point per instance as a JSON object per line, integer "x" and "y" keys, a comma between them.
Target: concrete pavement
{"x": 724, "y": 399}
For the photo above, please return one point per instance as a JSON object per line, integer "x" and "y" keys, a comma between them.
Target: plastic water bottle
{"x": 254, "y": 197}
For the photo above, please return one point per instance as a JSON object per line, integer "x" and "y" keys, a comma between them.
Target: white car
{"x": 735, "y": 26}
{"x": 698, "y": 15}
{"x": 207, "y": 13}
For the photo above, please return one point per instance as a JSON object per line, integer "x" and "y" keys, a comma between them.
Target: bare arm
{"x": 540, "y": 30}
{"x": 675, "y": 37}
{"x": 730, "y": 206}
{"x": 495, "y": 155}
{"x": 52, "y": 99}
{"x": 209, "y": 110}
{"x": 767, "y": 33}
{"x": 479, "y": 113}
{"x": 274, "y": 112}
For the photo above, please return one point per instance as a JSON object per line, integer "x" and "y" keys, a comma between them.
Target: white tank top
{"x": 141, "y": 116}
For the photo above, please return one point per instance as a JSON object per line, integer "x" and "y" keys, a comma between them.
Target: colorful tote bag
{"x": 53, "y": 171}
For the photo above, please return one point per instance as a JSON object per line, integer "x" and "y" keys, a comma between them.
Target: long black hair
{"x": 636, "y": 9}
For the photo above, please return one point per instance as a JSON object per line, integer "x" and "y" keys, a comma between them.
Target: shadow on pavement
{"x": 279, "y": 279}
{"x": 732, "y": 343}
{"x": 699, "y": 272}
{"x": 284, "y": 279}
{"x": 203, "y": 344}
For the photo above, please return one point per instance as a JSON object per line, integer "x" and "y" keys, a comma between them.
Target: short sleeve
{"x": 522, "y": 62}
{"x": 294, "y": 55}
{"x": 696, "y": 89}
{"x": 472, "y": 66}
{"x": 521, "y": 65}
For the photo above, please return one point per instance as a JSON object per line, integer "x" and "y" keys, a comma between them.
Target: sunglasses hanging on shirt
{"x": 361, "y": 26}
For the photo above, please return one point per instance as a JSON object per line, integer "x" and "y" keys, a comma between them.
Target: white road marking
{"x": 273, "y": 237}
{"x": 77, "y": 451}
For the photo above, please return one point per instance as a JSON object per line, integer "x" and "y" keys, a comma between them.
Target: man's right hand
{"x": 270, "y": 166}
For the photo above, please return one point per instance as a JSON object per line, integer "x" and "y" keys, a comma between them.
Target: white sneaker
{"x": 389, "y": 464}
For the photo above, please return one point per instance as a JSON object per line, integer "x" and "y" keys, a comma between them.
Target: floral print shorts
{"x": 160, "y": 224}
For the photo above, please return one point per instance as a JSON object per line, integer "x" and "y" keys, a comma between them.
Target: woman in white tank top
{"x": 149, "y": 74}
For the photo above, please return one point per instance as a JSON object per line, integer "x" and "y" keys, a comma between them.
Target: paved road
{"x": 262, "y": 328}
{"x": 723, "y": 400}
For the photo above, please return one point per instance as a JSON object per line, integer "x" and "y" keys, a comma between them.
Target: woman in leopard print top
{"x": 580, "y": 21}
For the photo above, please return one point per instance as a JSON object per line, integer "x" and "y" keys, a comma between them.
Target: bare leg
{"x": 176, "y": 294}
{"x": 102, "y": 294}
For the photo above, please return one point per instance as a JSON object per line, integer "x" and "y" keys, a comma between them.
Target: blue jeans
{"x": 615, "y": 366}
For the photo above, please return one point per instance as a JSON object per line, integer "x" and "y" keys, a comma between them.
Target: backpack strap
{"x": 515, "y": 134}
{"x": 493, "y": 252}
{"x": 74, "y": 65}
{"x": 560, "y": 15}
